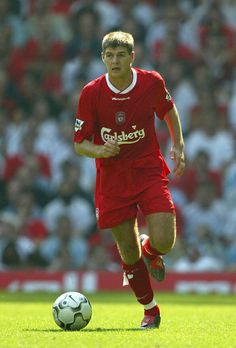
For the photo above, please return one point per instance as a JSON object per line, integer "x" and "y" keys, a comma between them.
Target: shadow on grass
{"x": 99, "y": 329}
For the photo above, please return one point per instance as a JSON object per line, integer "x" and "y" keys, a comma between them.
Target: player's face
{"x": 118, "y": 61}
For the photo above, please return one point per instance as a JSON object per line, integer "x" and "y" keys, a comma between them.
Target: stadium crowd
{"x": 49, "y": 49}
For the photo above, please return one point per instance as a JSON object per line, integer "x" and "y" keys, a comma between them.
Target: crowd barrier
{"x": 90, "y": 281}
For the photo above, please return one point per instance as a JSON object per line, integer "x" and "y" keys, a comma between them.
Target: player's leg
{"x": 161, "y": 239}
{"x": 136, "y": 274}
{"x": 162, "y": 231}
{"x": 159, "y": 211}
{"x": 127, "y": 241}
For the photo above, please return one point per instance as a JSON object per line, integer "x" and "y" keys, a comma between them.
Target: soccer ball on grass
{"x": 72, "y": 311}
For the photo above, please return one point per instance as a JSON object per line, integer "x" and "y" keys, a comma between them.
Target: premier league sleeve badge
{"x": 78, "y": 124}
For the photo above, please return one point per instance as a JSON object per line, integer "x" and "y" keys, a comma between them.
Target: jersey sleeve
{"x": 85, "y": 117}
{"x": 164, "y": 101}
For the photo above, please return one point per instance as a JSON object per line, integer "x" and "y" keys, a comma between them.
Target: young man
{"x": 115, "y": 125}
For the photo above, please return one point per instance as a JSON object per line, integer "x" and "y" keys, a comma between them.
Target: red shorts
{"x": 113, "y": 209}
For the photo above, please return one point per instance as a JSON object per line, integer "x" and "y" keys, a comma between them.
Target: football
{"x": 72, "y": 311}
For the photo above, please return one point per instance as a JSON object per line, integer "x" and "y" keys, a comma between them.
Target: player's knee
{"x": 163, "y": 244}
{"x": 162, "y": 231}
{"x": 165, "y": 248}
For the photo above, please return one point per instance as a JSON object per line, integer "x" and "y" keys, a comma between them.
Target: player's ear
{"x": 102, "y": 55}
{"x": 133, "y": 56}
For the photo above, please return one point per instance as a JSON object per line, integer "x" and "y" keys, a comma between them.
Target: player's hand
{"x": 178, "y": 157}
{"x": 111, "y": 148}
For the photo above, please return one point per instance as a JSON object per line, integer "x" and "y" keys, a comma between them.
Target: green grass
{"x": 196, "y": 321}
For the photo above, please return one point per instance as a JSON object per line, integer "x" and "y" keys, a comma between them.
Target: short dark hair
{"x": 116, "y": 39}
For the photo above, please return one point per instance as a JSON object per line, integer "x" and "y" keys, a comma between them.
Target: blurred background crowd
{"x": 49, "y": 49}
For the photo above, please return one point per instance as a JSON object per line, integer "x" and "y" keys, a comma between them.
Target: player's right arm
{"x": 89, "y": 149}
{"x": 85, "y": 128}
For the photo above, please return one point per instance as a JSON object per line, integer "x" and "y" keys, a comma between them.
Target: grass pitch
{"x": 188, "y": 321}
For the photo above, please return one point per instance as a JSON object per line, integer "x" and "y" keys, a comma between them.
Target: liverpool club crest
{"x": 120, "y": 117}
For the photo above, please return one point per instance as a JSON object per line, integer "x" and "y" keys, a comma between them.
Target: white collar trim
{"x": 128, "y": 89}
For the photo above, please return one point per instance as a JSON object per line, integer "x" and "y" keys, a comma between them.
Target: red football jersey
{"x": 128, "y": 117}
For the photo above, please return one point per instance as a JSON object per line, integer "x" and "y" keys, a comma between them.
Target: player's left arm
{"x": 177, "y": 151}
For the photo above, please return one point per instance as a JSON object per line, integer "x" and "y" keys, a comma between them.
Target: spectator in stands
{"x": 11, "y": 25}
{"x": 65, "y": 248}
{"x": 85, "y": 23}
{"x": 228, "y": 8}
{"x": 29, "y": 214}
{"x": 4, "y": 90}
{"x": 9, "y": 254}
{"x": 41, "y": 16}
{"x": 232, "y": 107}
{"x": 143, "y": 11}
{"x": 206, "y": 98}
{"x": 103, "y": 254}
{"x": 29, "y": 176}
{"x": 193, "y": 261}
{"x": 78, "y": 209}
{"x": 48, "y": 140}
{"x": 99, "y": 260}
{"x": 3, "y": 126}
{"x": 229, "y": 187}
{"x": 108, "y": 12}
{"x": 213, "y": 23}
{"x": 130, "y": 24}
{"x": 35, "y": 176}
{"x": 15, "y": 131}
{"x": 164, "y": 38}
{"x": 218, "y": 143}
{"x": 26, "y": 153}
{"x": 205, "y": 210}
{"x": 71, "y": 171}
{"x": 198, "y": 171}
{"x": 215, "y": 54}
{"x": 17, "y": 250}
{"x": 142, "y": 60}
{"x": 183, "y": 91}
{"x": 83, "y": 65}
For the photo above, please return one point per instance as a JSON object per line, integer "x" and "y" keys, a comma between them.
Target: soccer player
{"x": 115, "y": 125}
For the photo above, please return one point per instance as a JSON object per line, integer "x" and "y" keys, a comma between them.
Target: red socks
{"x": 139, "y": 281}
